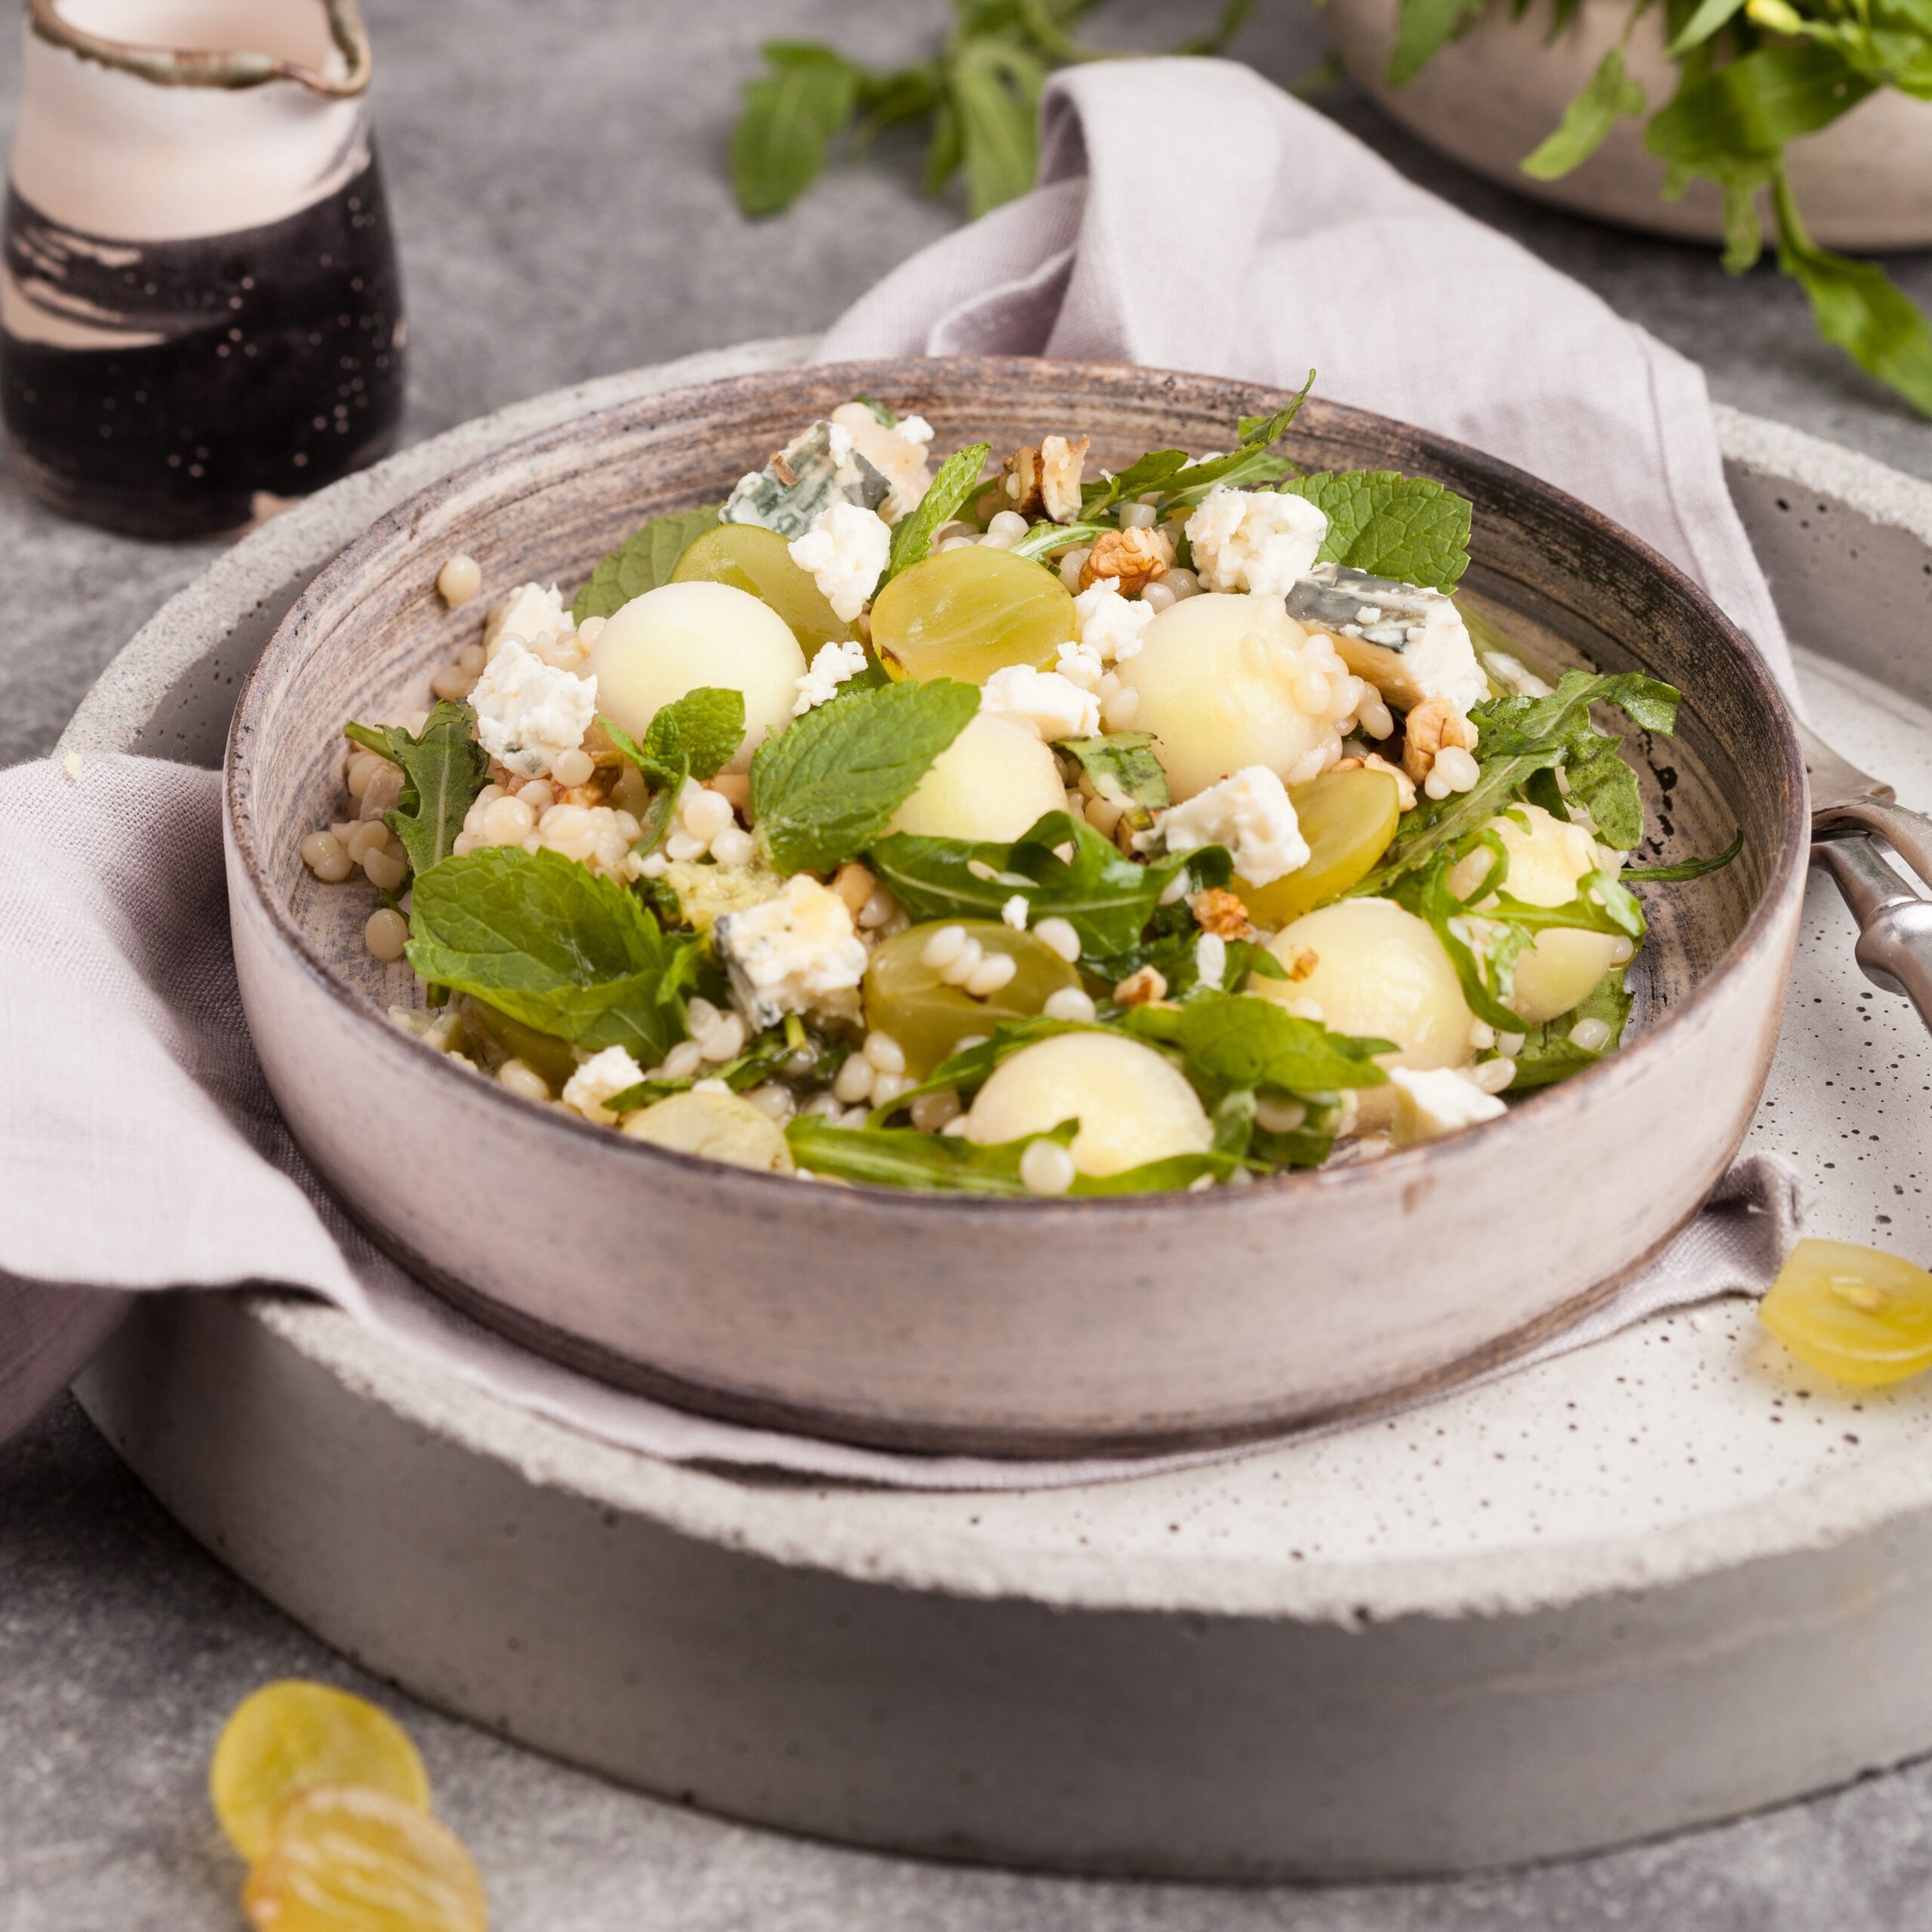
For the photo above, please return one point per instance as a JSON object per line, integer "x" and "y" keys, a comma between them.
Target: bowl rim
{"x": 1535, "y": 1113}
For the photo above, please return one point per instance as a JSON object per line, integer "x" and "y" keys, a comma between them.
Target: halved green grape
{"x": 292, "y": 1736}
{"x": 909, "y": 999}
{"x": 967, "y": 614}
{"x": 551, "y": 1056}
{"x": 1349, "y": 819}
{"x": 1857, "y": 1314}
{"x": 751, "y": 558}
{"x": 347, "y": 1858}
{"x": 721, "y": 1127}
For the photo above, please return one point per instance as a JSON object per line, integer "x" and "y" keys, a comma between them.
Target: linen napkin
{"x": 141, "y": 1147}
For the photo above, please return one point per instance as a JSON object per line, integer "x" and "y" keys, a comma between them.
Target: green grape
{"x": 759, "y": 561}
{"x": 1857, "y": 1314}
{"x": 967, "y": 614}
{"x": 721, "y": 1127}
{"x": 910, "y": 1000}
{"x": 1349, "y": 819}
{"x": 551, "y": 1056}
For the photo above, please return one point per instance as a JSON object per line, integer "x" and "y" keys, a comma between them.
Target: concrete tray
{"x": 1662, "y": 1580}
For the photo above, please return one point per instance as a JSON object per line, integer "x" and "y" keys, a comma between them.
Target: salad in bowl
{"x": 1007, "y": 825}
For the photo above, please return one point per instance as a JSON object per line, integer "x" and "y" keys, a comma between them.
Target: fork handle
{"x": 1894, "y": 948}
{"x": 1908, "y": 833}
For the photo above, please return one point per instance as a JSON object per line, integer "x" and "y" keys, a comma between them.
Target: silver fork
{"x": 1894, "y": 947}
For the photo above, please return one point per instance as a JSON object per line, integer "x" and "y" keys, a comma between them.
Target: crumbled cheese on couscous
{"x": 528, "y": 713}
{"x": 1252, "y": 815}
{"x": 844, "y": 553}
{"x": 831, "y": 665}
{"x": 598, "y": 1079}
{"x": 1254, "y": 539}
{"x": 798, "y": 952}
{"x": 1044, "y": 701}
{"x": 1111, "y": 626}
{"x": 530, "y": 612}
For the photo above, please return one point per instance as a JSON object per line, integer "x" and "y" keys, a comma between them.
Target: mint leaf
{"x": 1107, "y": 898}
{"x": 830, "y": 782}
{"x": 1425, "y": 28}
{"x": 912, "y": 536}
{"x": 700, "y": 732}
{"x": 1605, "y": 98}
{"x": 1236, "y": 1041}
{"x": 1125, "y": 772}
{"x": 443, "y": 770}
{"x": 791, "y": 114}
{"x": 644, "y": 559}
{"x": 551, "y": 943}
{"x": 1406, "y": 528}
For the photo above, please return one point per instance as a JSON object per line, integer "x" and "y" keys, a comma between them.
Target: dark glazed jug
{"x": 201, "y": 313}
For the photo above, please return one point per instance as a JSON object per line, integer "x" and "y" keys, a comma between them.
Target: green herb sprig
{"x": 443, "y": 770}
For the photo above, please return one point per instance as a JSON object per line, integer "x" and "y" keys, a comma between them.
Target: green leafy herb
{"x": 1405, "y": 527}
{"x": 1685, "y": 868}
{"x": 761, "y": 1058}
{"x": 1610, "y": 95}
{"x": 1125, "y": 772}
{"x": 791, "y": 114}
{"x": 829, "y": 784}
{"x": 1107, "y": 899}
{"x": 443, "y": 770}
{"x": 995, "y": 84}
{"x": 696, "y": 736}
{"x": 1425, "y": 28}
{"x": 946, "y": 495}
{"x": 1549, "y": 1054}
{"x": 1751, "y": 107}
{"x": 1250, "y": 462}
{"x": 644, "y": 560}
{"x": 554, "y": 945}
{"x": 1233, "y": 1041}
{"x": 1044, "y": 539}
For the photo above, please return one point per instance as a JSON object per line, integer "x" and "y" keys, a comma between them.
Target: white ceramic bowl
{"x": 1005, "y": 1327}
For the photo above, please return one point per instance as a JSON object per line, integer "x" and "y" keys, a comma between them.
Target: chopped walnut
{"x": 1221, "y": 912}
{"x": 1134, "y": 558}
{"x": 1300, "y": 963}
{"x": 1405, "y": 789}
{"x": 1021, "y": 484}
{"x": 1144, "y": 988}
{"x": 1433, "y": 725}
{"x": 1061, "y": 462}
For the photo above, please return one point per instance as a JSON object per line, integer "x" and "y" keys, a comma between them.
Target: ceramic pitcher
{"x": 200, "y": 312}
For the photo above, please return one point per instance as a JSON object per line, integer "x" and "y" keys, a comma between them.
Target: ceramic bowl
{"x": 1099, "y": 1326}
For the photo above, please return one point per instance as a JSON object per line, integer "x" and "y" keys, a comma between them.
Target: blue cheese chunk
{"x": 1410, "y": 643}
{"x": 797, "y": 953}
{"x": 815, "y": 470}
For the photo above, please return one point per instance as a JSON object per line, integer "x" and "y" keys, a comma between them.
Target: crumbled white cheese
{"x": 529, "y": 714}
{"x": 1252, "y": 815}
{"x": 530, "y": 612}
{"x": 599, "y": 1078}
{"x": 1254, "y": 539}
{"x": 1015, "y": 911}
{"x": 795, "y": 953}
{"x": 1210, "y": 959}
{"x": 845, "y": 553}
{"x": 1081, "y": 664}
{"x": 1441, "y": 657}
{"x": 913, "y": 429}
{"x": 1441, "y": 1101}
{"x": 831, "y": 665}
{"x": 1054, "y": 706}
{"x": 1113, "y": 625}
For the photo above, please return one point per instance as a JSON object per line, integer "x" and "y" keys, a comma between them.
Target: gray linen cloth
{"x": 140, "y": 1144}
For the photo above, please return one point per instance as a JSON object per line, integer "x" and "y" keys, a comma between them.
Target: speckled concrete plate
{"x": 1655, "y": 1582}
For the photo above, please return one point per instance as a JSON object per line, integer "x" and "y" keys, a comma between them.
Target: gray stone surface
{"x": 558, "y": 174}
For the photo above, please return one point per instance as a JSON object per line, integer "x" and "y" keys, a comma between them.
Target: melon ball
{"x": 1133, "y": 1105}
{"x": 1548, "y": 859}
{"x": 681, "y": 636}
{"x": 1216, "y": 678}
{"x": 1376, "y": 971}
{"x": 995, "y": 781}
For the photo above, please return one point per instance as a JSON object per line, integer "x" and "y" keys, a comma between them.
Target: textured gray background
{"x": 557, "y": 170}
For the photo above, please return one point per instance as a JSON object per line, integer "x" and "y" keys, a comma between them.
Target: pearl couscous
{"x": 1030, "y": 828}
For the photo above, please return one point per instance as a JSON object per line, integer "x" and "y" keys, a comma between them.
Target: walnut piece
{"x": 1300, "y": 963}
{"x": 1433, "y": 725}
{"x": 1144, "y": 988}
{"x": 1405, "y": 789}
{"x": 1134, "y": 558}
{"x": 1061, "y": 462}
{"x": 1021, "y": 482}
{"x": 1221, "y": 912}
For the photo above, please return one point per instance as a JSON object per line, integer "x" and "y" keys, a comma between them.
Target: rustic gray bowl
{"x": 1001, "y": 1327}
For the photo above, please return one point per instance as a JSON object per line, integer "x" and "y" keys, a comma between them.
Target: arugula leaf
{"x": 791, "y": 114}
{"x": 1125, "y": 772}
{"x": 1754, "y": 105}
{"x": 1606, "y": 98}
{"x": 1250, "y": 461}
{"x": 830, "y": 782}
{"x": 552, "y": 943}
{"x": 1108, "y": 898}
{"x": 1548, "y": 1053}
{"x": 761, "y": 1057}
{"x": 958, "y": 477}
{"x": 1708, "y": 16}
{"x": 1426, "y": 27}
{"x": 1145, "y": 473}
{"x": 1043, "y": 538}
{"x": 1231, "y": 1042}
{"x": 644, "y": 559}
{"x": 1407, "y": 528}
{"x": 1685, "y": 868}
{"x": 443, "y": 770}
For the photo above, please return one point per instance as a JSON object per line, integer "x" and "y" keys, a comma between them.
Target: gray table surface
{"x": 557, "y": 170}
